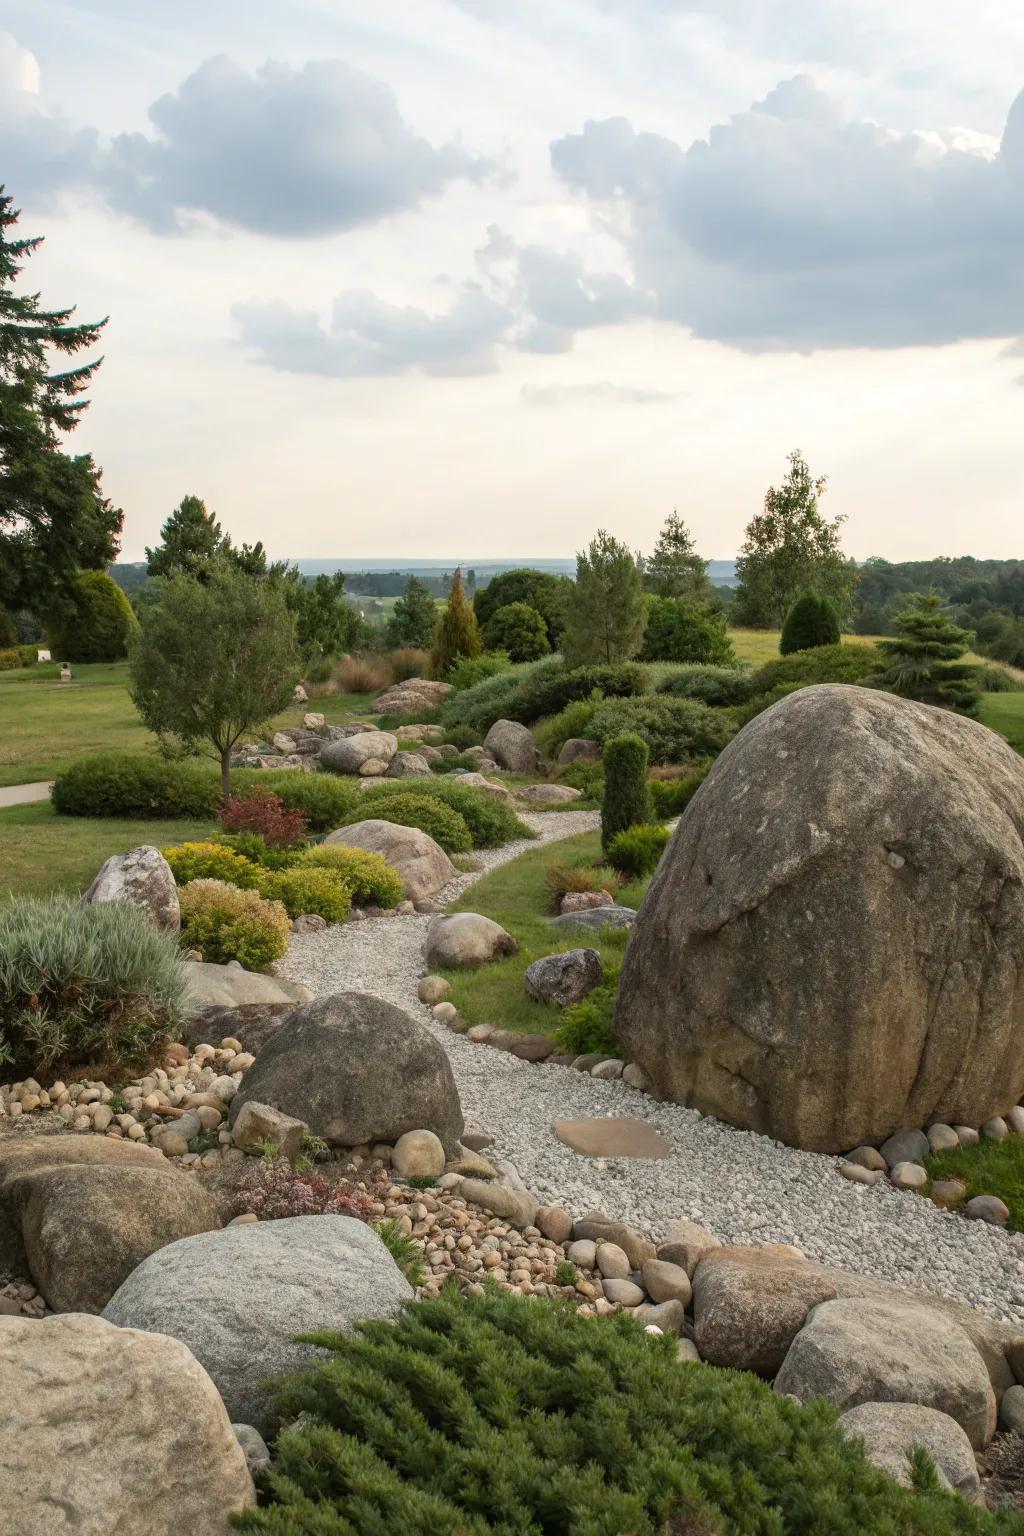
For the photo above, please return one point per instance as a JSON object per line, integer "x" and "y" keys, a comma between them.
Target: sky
{"x": 461, "y": 278}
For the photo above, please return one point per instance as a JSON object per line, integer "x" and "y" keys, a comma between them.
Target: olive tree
{"x": 214, "y": 659}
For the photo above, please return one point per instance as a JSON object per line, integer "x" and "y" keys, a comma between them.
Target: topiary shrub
{"x": 212, "y": 861}
{"x": 670, "y": 797}
{"x": 369, "y": 876}
{"x": 306, "y": 888}
{"x": 491, "y": 823}
{"x": 502, "y": 1414}
{"x": 470, "y": 670}
{"x": 226, "y": 923}
{"x": 717, "y": 686}
{"x": 519, "y": 630}
{"x": 264, "y": 814}
{"x": 675, "y": 730}
{"x": 84, "y": 984}
{"x": 94, "y": 621}
{"x": 812, "y": 621}
{"x": 626, "y": 802}
{"x": 589, "y": 1024}
{"x": 324, "y": 799}
{"x": 636, "y": 851}
{"x": 130, "y": 785}
{"x": 438, "y": 821}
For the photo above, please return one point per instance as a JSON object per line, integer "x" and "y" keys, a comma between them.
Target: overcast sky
{"x": 460, "y": 278}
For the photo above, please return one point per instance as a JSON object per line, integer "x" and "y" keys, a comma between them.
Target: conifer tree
{"x": 812, "y": 621}
{"x": 414, "y": 619}
{"x": 675, "y": 569}
{"x": 458, "y": 633}
{"x": 54, "y": 518}
{"x": 924, "y": 658}
{"x": 606, "y": 615}
{"x": 189, "y": 540}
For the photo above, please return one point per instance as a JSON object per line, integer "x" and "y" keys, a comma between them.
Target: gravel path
{"x": 745, "y": 1188}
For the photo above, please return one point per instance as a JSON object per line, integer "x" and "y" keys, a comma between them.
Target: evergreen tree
{"x": 518, "y": 629}
{"x": 93, "y": 622}
{"x": 790, "y": 547}
{"x": 924, "y": 658}
{"x": 414, "y": 620}
{"x": 189, "y": 540}
{"x": 606, "y": 614}
{"x": 675, "y": 569}
{"x": 54, "y": 519}
{"x": 627, "y": 800}
{"x": 812, "y": 621}
{"x": 682, "y": 629}
{"x": 458, "y": 633}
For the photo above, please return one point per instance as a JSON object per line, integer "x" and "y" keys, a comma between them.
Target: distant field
{"x": 758, "y": 645}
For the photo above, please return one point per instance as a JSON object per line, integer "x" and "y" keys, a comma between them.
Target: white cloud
{"x": 602, "y": 392}
{"x": 19, "y": 69}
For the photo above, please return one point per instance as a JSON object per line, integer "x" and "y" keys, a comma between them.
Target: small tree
{"x": 812, "y": 621}
{"x": 681, "y": 629}
{"x": 790, "y": 547}
{"x": 214, "y": 659}
{"x": 547, "y": 593}
{"x": 518, "y": 629}
{"x": 458, "y": 633}
{"x": 93, "y": 622}
{"x": 627, "y": 800}
{"x": 606, "y": 615}
{"x": 189, "y": 539}
{"x": 414, "y": 620}
{"x": 923, "y": 658}
{"x": 675, "y": 569}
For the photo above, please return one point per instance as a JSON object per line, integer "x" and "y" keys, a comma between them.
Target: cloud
{"x": 19, "y": 69}
{"x": 600, "y": 393}
{"x": 793, "y": 226}
{"x": 279, "y": 151}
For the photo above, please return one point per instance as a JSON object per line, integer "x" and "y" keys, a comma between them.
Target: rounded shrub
{"x": 324, "y": 799}
{"x": 636, "y": 851}
{"x": 305, "y": 888}
{"x": 670, "y": 797}
{"x": 369, "y": 876}
{"x": 12, "y": 659}
{"x": 849, "y": 662}
{"x": 265, "y": 814}
{"x": 212, "y": 861}
{"x": 545, "y": 693}
{"x": 439, "y": 821}
{"x": 94, "y": 620}
{"x": 682, "y": 629}
{"x": 82, "y": 983}
{"x": 226, "y": 923}
{"x": 675, "y": 730}
{"x": 470, "y": 670}
{"x": 491, "y": 823}
{"x": 130, "y": 785}
{"x": 717, "y": 686}
{"x": 811, "y": 622}
{"x": 589, "y": 1025}
{"x": 626, "y": 801}
{"x": 519, "y": 630}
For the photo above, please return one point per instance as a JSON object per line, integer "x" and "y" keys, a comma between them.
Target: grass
{"x": 514, "y": 895}
{"x": 42, "y": 852}
{"x": 1004, "y": 712}
{"x": 988, "y": 1168}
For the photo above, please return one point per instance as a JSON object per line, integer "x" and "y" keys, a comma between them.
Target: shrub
{"x": 462, "y": 762}
{"x": 518, "y": 629}
{"x": 636, "y": 851}
{"x": 670, "y": 797}
{"x": 479, "y": 706}
{"x": 263, "y": 813}
{"x": 323, "y": 798}
{"x": 491, "y": 823}
{"x": 547, "y": 693}
{"x": 996, "y": 679}
{"x": 438, "y": 821}
{"x": 844, "y": 663}
{"x": 306, "y": 888}
{"x": 463, "y": 736}
{"x": 675, "y": 730}
{"x": 368, "y": 876}
{"x": 561, "y": 879}
{"x": 682, "y": 629}
{"x": 94, "y": 622}
{"x": 465, "y": 1417}
{"x": 143, "y": 788}
{"x": 405, "y": 1251}
{"x": 212, "y": 861}
{"x": 589, "y": 777}
{"x": 408, "y": 661}
{"x": 626, "y": 801}
{"x": 12, "y": 660}
{"x": 717, "y": 686}
{"x": 574, "y": 720}
{"x": 812, "y": 621}
{"x": 231, "y": 924}
{"x": 546, "y": 593}
{"x": 589, "y": 1024}
{"x": 470, "y": 670}
{"x": 274, "y": 1190}
{"x": 457, "y": 633}
{"x": 84, "y": 983}
{"x": 362, "y": 674}
{"x": 251, "y": 846}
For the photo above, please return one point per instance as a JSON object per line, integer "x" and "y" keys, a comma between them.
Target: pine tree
{"x": 414, "y": 619}
{"x": 606, "y": 615}
{"x": 458, "y": 633}
{"x": 675, "y": 569}
{"x": 54, "y": 519}
{"x": 923, "y": 658}
{"x": 812, "y": 621}
{"x": 189, "y": 540}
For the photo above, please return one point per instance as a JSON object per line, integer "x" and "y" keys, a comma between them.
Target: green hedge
{"x": 323, "y": 798}
{"x": 844, "y": 663}
{"x": 410, "y": 809}
{"x": 508, "y": 1416}
{"x": 130, "y": 785}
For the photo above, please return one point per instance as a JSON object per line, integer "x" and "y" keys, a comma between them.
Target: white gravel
{"x": 745, "y": 1188}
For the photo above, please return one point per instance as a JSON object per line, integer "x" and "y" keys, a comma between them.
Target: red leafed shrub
{"x": 273, "y": 1190}
{"x": 264, "y": 813}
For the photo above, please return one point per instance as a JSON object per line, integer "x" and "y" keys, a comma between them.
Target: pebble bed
{"x": 745, "y": 1188}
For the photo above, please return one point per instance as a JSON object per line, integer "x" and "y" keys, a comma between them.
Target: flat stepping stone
{"x": 625, "y": 1137}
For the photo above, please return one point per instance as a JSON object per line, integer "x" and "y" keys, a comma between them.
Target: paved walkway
{"x": 24, "y": 794}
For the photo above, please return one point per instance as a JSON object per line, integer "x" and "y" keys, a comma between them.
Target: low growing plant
{"x": 491, "y": 823}
{"x": 562, "y": 880}
{"x": 636, "y": 851}
{"x": 470, "y": 670}
{"x": 134, "y": 786}
{"x": 670, "y": 797}
{"x": 371, "y": 879}
{"x": 717, "y": 686}
{"x": 226, "y": 923}
{"x": 266, "y": 815}
{"x": 307, "y": 888}
{"x": 406, "y": 1254}
{"x": 323, "y": 798}
{"x": 272, "y": 1190}
{"x": 212, "y": 861}
{"x": 408, "y": 809}
{"x": 675, "y": 730}
{"x": 589, "y": 1025}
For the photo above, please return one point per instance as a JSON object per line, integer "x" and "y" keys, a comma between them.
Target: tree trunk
{"x": 225, "y": 772}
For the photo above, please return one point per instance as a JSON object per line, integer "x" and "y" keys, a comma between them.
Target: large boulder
{"x": 566, "y": 978}
{"x": 579, "y": 749}
{"x": 108, "y": 1429}
{"x": 408, "y": 765}
{"x": 512, "y": 747}
{"x": 860, "y": 1350}
{"x": 422, "y": 864}
{"x": 356, "y": 1069}
{"x": 466, "y": 938}
{"x": 891, "y": 1432}
{"x": 411, "y": 696}
{"x": 830, "y": 947}
{"x": 350, "y": 753}
{"x": 250, "y": 1024}
{"x": 229, "y": 986}
{"x": 142, "y": 877}
{"x": 239, "y": 1297}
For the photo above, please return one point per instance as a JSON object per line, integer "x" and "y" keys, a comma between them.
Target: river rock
{"x": 423, "y": 866}
{"x": 466, "y": 938}
{"x": 408, "y": 765}
{"x": 754, "y": 986}
{"x": 512, "y": 747}
{"x": 142, "y": 877}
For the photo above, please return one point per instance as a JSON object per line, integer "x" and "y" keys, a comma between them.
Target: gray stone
{"x": 995, "y": 1129}
{"x": 969, "y": 1137}
{"x": 612, "y": 1136}
{"x": 258, "y": 1125}
{"x": 102, "y": 1423}
{"x": 942, "y": 1138}
{"x": 564, "y": 978}
{"x": 356, "y": 1069}
{"x": 512, "y": 747}
{"x": 666, "y": 1315}
{"x": 408, "y": 765}
{"x": 839, "y": 814}
{"x": 600, "y": 1229}
{"x": 418, "y": 1153}
{"x": 254, "y": 1447}
{"x": 309, "y": 922}
{"x": 635, "y": 1076}
{"x": 987, "y": 1208}
{"x": 686, "y": 1244}
{"x": 1015, "y": 1119}
{"x": 547, "y": 794}
{"x": 465, "y": 938}
{"x": 908, "y": 1176}
{"x": 868, "y": 1157}
{"x": 583, "y": 1253}
{"x": 687, "y": 1352}
{"x": 142, "y": 878}
{"x": 664, "y": 1281}
{"x": 250, "y": 1024}
{"x": 612, "y": 1262}
{"x": 423, "y": 866}
{"x": 228, "y": 986}
{"x": 948, "y": 1192}
{"x": 623, "y": 1292}
{"x": 513, "y": 1205}
{"x": 281, "y": 1278}
{"x": 1011, "y": 1410}
{"x": 891, "y": 1432}
{"x": 607, "y": 1071}
{"x": 596, "y": 920}
{"x": 433, "y": 989}
{"x": 350, "y": 753}
{"x": 579, "y": 749}
{"x": 860, "y": 1175}
{"x": 584, "y": 901}
{"x": 909, "y": 1146}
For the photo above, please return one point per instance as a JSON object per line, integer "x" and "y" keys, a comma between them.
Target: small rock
{"x": 908, "y": 1176}
{"x": 566, "y": 978}
{"x": 418, "y": 1153}
{"x": 607, "y": 1071}
{"x": 634, "y": 1074}
{"x": 432, "y": 989}
{"x": 554, "y": 1222}
{"x": 664, "y": 1281}
{"x": 860, "y": 1175}
{"x": 1011, "y": 1410}
{"x": 624, "y": 1292}
{"x": 612, "y": 1262}
{"x": 908, "y": 1146}
{"x": 948, "y": 1192}
{"x": 942, "y": 1138}
{"x": 1015, "y": 1119}
{"x": 687, "y": 1352}
{"x": 968, "y": 1135}
{"x": 445, "y": 1013}
{"x": 258, "y": 1124}
{"x": 308, "y": 922}
{"x": 477, "y": 1141}
{"x": 995, "y": 1129}
{"x": 868, "y": 1157}
{"x": 583, "y": 1253}
{"x": 667, "y": 1317}
{"x": 987, "y": 1208}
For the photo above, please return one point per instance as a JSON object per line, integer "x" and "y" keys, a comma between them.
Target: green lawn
{"x": 1004, "y": 712}
{"x": 989, "y": 1168}
{"x": 41, "y": 852}
{"x": 514, "y": 896}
